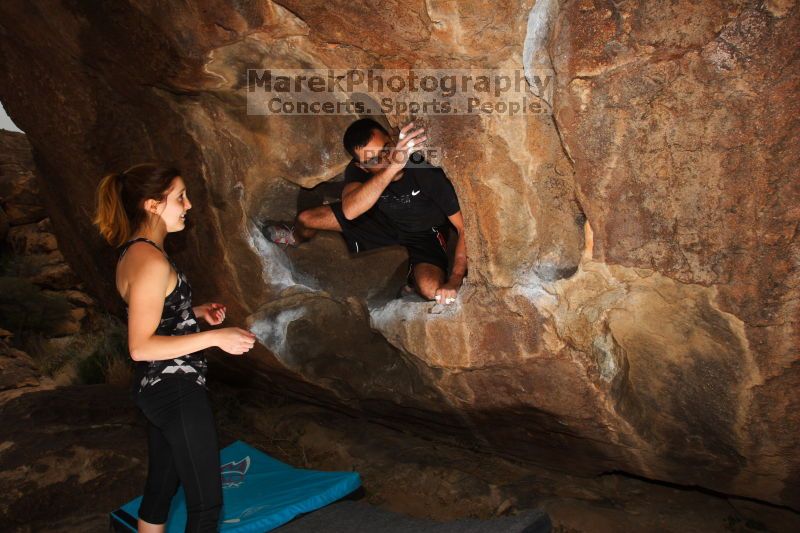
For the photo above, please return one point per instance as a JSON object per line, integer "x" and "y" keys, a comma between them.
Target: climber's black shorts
{"x": 372, "y": 230}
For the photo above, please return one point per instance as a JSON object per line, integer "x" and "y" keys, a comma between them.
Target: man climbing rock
{"x": 391, "y": 197}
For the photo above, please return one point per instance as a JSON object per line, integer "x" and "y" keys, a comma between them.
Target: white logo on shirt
{"x": 414, "y": 193}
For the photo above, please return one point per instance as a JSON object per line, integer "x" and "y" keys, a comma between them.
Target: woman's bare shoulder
{"x": 143, "y": 259}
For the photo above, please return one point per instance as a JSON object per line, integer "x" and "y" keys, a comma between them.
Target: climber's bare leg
{"x": 310, "y": 221}
{"x": 427, "y": 279}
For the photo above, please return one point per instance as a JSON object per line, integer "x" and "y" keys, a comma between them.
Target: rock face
{"x": 63, "y": 444}
{"x": 32, "y": 261}
{"x": 18, "y": 370}
{"x": 685, "y": 150}
{"x": 665, "y": 346}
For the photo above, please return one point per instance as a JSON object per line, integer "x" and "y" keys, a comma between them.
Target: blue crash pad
{"x": 259, "y": 493}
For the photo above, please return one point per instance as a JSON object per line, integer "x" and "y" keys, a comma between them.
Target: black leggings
{"x": 182, "y": 447}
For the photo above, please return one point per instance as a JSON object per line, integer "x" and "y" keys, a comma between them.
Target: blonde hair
{"x": 121, "y": 196}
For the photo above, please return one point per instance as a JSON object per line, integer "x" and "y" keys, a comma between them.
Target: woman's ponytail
{"x": 110, "y": 217}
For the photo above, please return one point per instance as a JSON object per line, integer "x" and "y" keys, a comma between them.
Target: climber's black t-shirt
{"x": 421, "y": 199}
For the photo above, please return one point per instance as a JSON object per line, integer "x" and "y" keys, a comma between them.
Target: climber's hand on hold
{"x": 446, "y": 294}
{"x": 410, "y": 140}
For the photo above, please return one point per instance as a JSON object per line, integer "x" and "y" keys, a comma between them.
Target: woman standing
{"x": 136, "y": 209}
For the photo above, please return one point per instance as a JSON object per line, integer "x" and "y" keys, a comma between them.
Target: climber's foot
{"x": 282, "y": 234}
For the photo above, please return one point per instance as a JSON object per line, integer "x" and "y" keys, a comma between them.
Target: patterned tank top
{"x": 177, "y": 318}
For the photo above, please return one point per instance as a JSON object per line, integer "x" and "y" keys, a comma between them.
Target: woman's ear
{"x": 151, "y": 206}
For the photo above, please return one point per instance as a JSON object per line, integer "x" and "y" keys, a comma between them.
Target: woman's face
{"x": 172, "y": 210}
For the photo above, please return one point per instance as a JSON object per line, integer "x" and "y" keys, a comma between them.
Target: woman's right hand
{"x": 234, "y": 340}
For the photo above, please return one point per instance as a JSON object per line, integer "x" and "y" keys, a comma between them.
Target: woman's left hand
{"x": 212, "y": 313}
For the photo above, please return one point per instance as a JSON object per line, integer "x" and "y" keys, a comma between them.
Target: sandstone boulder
{"x": 19, "y": 189}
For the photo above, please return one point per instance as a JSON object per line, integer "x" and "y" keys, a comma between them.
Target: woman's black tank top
{"x": 177, "y": 318}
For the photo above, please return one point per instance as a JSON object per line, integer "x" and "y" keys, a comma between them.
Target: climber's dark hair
{"x": 121, "y": 197}
{"x": 359, "y": 133}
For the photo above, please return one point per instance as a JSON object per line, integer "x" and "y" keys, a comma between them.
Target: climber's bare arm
{"x": 358, "y": 198}
{"x": 460, "y": 261}
{"x": 453, "y": 284}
